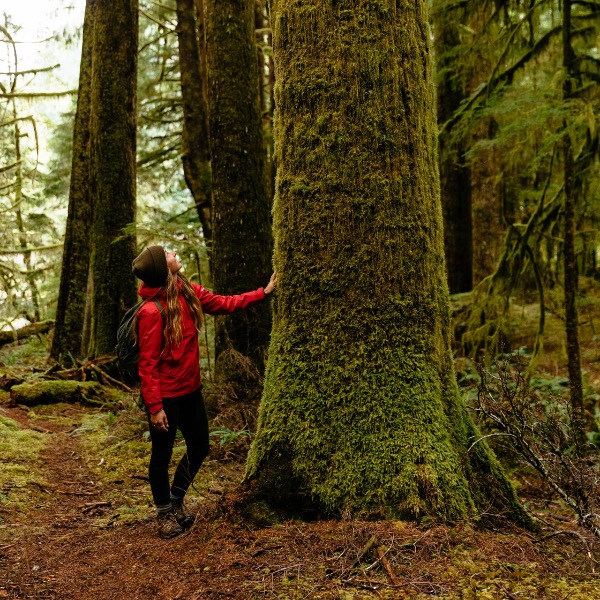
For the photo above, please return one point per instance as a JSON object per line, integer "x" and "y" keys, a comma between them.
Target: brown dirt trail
{"x": 70, "y": 543}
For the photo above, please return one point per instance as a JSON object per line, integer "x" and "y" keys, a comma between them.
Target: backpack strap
{"x": 160, "y": 307}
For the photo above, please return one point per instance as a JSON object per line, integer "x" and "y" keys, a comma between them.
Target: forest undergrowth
{"x": 76, "y": 518}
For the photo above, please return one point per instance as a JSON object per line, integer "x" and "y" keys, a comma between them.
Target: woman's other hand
{"x": 159, "y": 421}
{"x": 271, "y": 285}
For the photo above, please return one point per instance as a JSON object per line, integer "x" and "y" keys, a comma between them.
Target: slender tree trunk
{"x": 455, "y": 176}
{"x": 569, "y": 255}
{"x": 242, "y": 240}
{"x": 267, "y": 79}
{"x": 112, "y": 161}
{"x": 23, "y": 241}
{"x": 360, "y": 410}
{"x": 70, "y": 310}
{"x": 195, "y": 153}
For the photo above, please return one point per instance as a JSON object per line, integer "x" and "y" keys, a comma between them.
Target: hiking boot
{"x": 183, "y": 518}
{"x": 167, "y": 524}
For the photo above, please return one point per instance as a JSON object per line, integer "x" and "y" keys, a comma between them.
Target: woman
{"x": 169, "y": 369}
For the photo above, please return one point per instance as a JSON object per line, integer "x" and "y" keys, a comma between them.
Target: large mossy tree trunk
{"x": 70, "y": 310}
{"x": 195, "y": 151}
{"x": 242, "y": 244}
{"x": 361, "y": 411}
{"x": 112, "y": 167}
{"x": 455, "y": 176}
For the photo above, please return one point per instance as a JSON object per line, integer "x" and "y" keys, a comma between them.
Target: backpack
{"x": 127, "y": 348}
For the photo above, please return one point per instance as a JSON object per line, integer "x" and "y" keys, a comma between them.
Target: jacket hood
{"x": 147, "y": 292}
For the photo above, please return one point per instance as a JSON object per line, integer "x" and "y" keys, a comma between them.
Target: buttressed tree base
{"x": 361, "y": 412}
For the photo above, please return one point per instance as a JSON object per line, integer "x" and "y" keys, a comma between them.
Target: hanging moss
{"x": 360, "y": 410}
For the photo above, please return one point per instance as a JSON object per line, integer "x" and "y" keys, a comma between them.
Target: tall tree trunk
{"x": 70, "y": 310}
{"x": 569, "y": 255}
{"x": 455, "y": 175}
{"x": 195, "y": 153}
{"x": 23, "y": 240}
{"x": 112, "y": 162}
{"x": 267, "y": 80}
{"x": 242, "y": 243}
{"x": 360, "y": 410}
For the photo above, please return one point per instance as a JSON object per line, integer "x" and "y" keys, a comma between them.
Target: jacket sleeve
{"x": 150, "y": 340}
{"x": 213, "y": 304}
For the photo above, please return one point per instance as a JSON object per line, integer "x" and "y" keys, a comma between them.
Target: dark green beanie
{"x": 151, "y": 266}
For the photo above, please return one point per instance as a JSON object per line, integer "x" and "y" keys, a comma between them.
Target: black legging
{"x": 188, "y": 414}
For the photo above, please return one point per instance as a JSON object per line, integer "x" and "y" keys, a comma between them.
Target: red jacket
{"x": 176, "y": 371}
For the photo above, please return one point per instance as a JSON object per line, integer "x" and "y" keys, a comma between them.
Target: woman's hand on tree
{"x": 271, "y": 285}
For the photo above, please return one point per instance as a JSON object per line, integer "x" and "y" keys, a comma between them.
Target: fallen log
{"x": 52, "y": 392}
{"x": 6, "y": 337}
{"x": 8, "y": 381}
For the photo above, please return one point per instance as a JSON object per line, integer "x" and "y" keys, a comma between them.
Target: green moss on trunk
{"x": 360, "y": 410}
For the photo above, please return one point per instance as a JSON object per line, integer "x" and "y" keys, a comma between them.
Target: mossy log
{"x": 6, "y": 337}
{"x": 52, "y": 392}
{"x": 8, "y": 381}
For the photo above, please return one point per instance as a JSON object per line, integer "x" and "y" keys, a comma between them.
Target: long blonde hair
{"x": 173, "y": 331}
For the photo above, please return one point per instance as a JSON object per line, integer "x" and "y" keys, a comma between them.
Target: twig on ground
{"x": 110, "y": 379}
{"x": 89, "y": 506}
{"x": 381, "y": 552}
{"x": 365, "y": 550}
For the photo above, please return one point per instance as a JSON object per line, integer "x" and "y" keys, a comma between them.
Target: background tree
{"x": 538, "y": 101}
{"x": 29, "y": 234}
{"x": 96, "y": 279}
{"x": 360, "y": 410}
{"x": 72, "y": 297}
{"x": 241, "y": 208}
{"x": 571, "y": 186}
{"x": 112, "y": 167}
{"x": 453, "y": 77}
{"x": 195, "y": 151}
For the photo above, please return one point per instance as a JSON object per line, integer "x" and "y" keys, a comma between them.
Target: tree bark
{"x": 112, "y": 162}
{"x": 455, "y": 175}
{"x": 23, "y": 241}
{"x": 195, "y": 151}
{"x": 70, "y": 309}
{"x": 569, "y": 255}
{"x": 360, "y": 411}
{"x": 242, "y": 243}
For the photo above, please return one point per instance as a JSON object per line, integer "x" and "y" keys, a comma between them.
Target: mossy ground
{"x": 21, "y": 470}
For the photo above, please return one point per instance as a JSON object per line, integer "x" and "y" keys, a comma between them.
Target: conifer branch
{"x": 38, "y": 94}
{"x": 163, "y": 6}
{"x": 10, "y": 251}
{"x": 148, "y": 16}
{"x": 31, "y": 71}
{"x": 494, "y": 82}
{"x": 593, "y": 6}
{"x": 11, "y": 166}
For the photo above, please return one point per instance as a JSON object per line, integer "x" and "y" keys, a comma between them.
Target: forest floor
{"x": 76, "y": 525}
{"x": 76, "y": 522}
